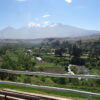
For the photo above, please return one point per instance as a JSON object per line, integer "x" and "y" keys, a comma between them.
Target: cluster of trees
{"x": 77, "y": 49}
{"x": 23, "y": 62}
{"x": 64, "y": 62}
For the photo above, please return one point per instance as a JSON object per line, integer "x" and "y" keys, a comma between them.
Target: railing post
{"x": 89, "y": 97}
{"x": 5, "y": 98}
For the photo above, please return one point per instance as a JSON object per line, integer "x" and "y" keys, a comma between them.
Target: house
{"x": 39, "y": 59}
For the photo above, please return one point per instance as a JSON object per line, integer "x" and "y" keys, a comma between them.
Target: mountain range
{"x": 45, "y": 31}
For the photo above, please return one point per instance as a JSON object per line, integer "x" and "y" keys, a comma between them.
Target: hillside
{"x": 45, "y": 40}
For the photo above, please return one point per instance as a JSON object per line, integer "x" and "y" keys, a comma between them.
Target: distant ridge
{"x": 49, "y": 31}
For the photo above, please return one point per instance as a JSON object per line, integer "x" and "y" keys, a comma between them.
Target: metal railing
{"x": 49, "y": 74}
{"x": 90, "y": 94}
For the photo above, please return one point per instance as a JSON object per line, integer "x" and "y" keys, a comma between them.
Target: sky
{"x": 79, "y": 13}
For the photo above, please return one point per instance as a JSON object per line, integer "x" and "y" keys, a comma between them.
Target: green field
{"x": 47, "y": 65}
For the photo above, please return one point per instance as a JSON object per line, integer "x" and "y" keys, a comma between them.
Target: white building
{"x": 39, "y": 58}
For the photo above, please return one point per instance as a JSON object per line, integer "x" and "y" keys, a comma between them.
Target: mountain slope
{"x": 48, "y": 31}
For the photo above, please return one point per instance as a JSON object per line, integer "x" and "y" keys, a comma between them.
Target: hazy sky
{"x": 79, "y": 13}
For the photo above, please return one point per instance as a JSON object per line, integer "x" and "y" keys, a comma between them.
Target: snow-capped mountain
{"x": 33, "y": 31}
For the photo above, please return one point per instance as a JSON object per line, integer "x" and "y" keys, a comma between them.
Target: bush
{"x": 74, "y": 69}
{"x": 48, "y": 81}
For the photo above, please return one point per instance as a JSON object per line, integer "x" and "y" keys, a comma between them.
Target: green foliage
{"x": 46, "y": 65}
{"x": 26, "y": 62}
{"x": 77, "y": 61}
{"x": 9, "y": 63}
{"x": 98, "y": 65}
{"x": 55, "y": 44}
{"x": 76, "y": 51}
{"x": 37, "y": 54}
{"x": 74, "y": 69}
{"x": 49, "y": 81}
{"x": 27, "y": 79}
{"x": 48, "y": 58}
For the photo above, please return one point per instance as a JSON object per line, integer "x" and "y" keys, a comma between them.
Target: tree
{"x": 25, "y": 62}
{"x": 55, "y": 44}
{"x": 8, "y": 63}
{"x": 60, "y": 51}
{"x": 76, "y": 52}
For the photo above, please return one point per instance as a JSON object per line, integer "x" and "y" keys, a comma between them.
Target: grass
{"x": 15, "y": 58}
{"x": 47, "y": 65}
{"x": 44, "y": 91}
{"x": 95, "y": 72}
{"x": 84, "y": 56}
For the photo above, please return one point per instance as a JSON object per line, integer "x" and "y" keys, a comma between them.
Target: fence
{"x": 90, "y": 94}
{"x": 49, "y": 74}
